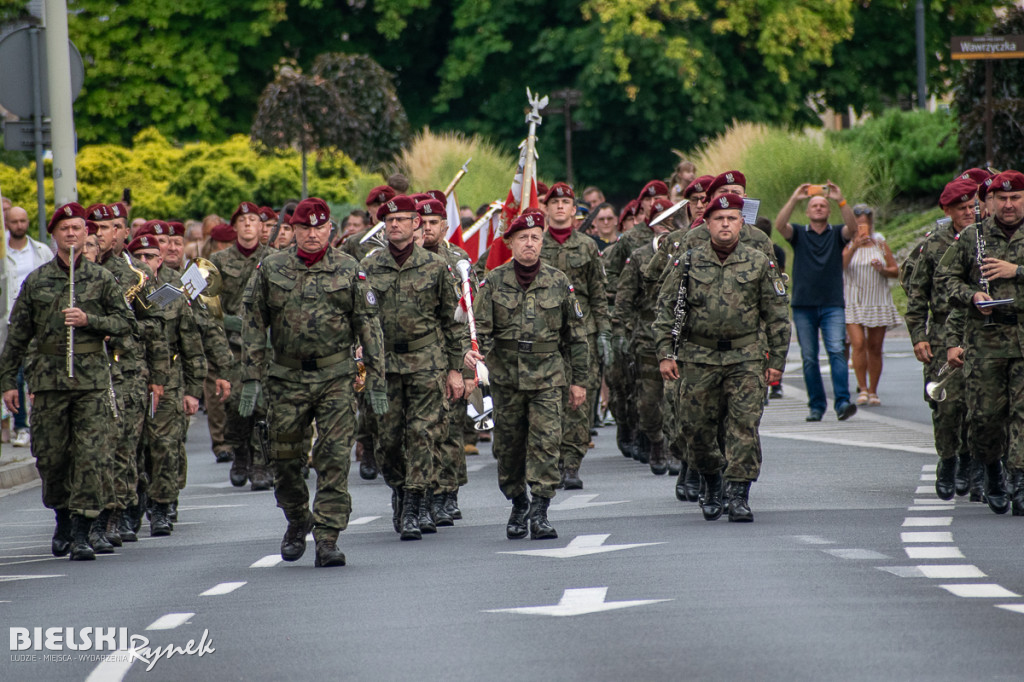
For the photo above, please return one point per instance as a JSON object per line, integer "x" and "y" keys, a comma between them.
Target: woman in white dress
{"x": 868, "y": 265}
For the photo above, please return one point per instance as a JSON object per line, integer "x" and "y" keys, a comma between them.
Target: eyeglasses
{"x": 862, "y": 210}
{"x": 397, "y": 219}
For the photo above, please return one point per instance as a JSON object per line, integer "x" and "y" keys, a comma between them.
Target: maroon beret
{"x": 654, "y": 188}
{"x": 524, "y": 222}
{"x": 118, "y": 210}
{"x": 380, "y": 194}
{"x": 98, "y": 212}
{"x": 733, "y": 177}
{"x": 91, "y": 226}
{"x": 700, "y": 184}
{"x": 397, "y": 204}
{"x": 432, "y": 207}
{"x": 658, "y": 205}
{"x": 437, "y": 194}
{"x": 143, "y": 242}
{"x": 154, "y": 227}
{"x": 724, "y": 203}
{"x": 312, "y": 212}
{"x": 542, "y": 191}
{"x": 223, "y": 233}
{"x": 267, "y": 214}
{"x": 244, "y": 208}
{"x": 420, "y": 196}
{"x": 984, "y": 188}
{"x": 72, "y": 210}
{"x": 175, "y": 229}
{"x": 1007, "y": 181}
{"x": 958, "y": 191}
{"x": 559, "y": 190}
{"x": 976, "y": 175}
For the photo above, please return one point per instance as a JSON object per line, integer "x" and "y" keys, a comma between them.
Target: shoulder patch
{"x": 780, "y": 288}
{"x": 571, "y": 289}
{"x": 482, "y": 284}
{"x": 259, "y": 264}
{"x": 576, "y": 309}
{"x": 628, "y": 260}
{"x": 361, "y": 275}
{"x": 370, "y": 298}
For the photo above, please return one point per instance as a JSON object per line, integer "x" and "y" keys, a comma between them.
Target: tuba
{"x": 214, "y": 284}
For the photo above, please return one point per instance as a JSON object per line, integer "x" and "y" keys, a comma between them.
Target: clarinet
{"x": 71, "y": 328}
{"x": 680, "y": 309}
{"x": 979, "y": 256}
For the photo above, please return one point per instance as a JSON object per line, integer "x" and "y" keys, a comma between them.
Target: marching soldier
{"x": 353, "y": 245}
{"x": 236, "y": 265}
{"x": 317, "y": 306}
{"x": 984, "y": 264}
{"x": 73, "y": 436}
{"x": 926, "y": 319}
{"x": 577, "y": 257}
{"x": 416, "y": 296}
{"x": 527, "y": 317}
{"x": 710, "y": 312}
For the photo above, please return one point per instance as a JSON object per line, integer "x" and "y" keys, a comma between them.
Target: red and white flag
{"x": 500, "y": 253}
{"x": 454, "y": 234}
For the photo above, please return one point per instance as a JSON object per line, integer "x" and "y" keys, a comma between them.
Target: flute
{"x": 71, "y": 328}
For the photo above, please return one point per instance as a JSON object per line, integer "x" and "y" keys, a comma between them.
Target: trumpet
{"x": 936, "y": 390}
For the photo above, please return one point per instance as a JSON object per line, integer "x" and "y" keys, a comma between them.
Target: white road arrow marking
{"x": 581, "y": 545}
{"x": 577, "y": 602}
{"x": 581, "y": 502}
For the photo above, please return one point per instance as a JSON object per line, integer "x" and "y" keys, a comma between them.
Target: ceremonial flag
{"x": 500, "y": 253}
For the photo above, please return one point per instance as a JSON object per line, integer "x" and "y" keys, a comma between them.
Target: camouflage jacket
{"x": 579, "y": 259}
{"x": 416, "y": 304}
{"x": 635, "y": 299}
{"x": 235, "y": 271}
{"x": 316, "y": 316}
{"x": 215, "y": 341}
{"x": 37, "y": 334}
{"x": 352, "y": 247}
{"x": 185, "y": 345}
{"x": 726, "y": 303}
{"x": 453, "y": 254}
{"x": 615, "y": 258}
{"x": 676, "y": 243}
{"x": 957, "y": 280}
{"x": 926, "y": 310}
{"x": 508, "y": 318}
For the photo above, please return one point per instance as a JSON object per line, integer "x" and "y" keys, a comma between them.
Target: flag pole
{"x": 530, "y": 166}
{"x": 458, "y": 176}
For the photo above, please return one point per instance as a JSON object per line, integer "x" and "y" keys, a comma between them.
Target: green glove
{"x": 233, "y": 323}
{"x": 619, "y": 344}
{"x": 604, "y": 347}
{"x": 250, "y": 394}
{"x": 379, "y": 402}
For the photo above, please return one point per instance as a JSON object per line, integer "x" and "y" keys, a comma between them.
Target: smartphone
{"x": 816, "y": 190}
{"x": 126, "y": 196}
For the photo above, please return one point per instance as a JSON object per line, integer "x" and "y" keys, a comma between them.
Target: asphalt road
{"x": 852, "y": 570}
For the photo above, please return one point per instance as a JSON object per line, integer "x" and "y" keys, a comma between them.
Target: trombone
{"x": 936, "y": 390}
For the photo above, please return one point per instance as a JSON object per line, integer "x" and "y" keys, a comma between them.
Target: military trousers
{"x": 132, "y": 393}
{"x": 239, "y": 431}
{"x": 527, "y": 433}
{"x": 366, "y": 424}
{"x": 995, "y": 408}
{"x": 731, "y": 395}
{"x": 621, "y": 386}
{"x": 216, "y": 415}
{"x": 449, "y": 468}
{"x": 650, "y": 397}
{"x": 293, "y": 406}
{"x": 73, "y": 440}
{"x": 578, "y": 422}
{"x": 949, "y": 417}
{"x": 165, "y": 435}
{"x": 406, "y": 433}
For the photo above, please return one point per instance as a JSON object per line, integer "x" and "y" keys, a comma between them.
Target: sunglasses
{"x": 862, "y": 210}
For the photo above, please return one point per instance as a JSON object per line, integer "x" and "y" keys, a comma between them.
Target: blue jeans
{"x": 831, "y": 320}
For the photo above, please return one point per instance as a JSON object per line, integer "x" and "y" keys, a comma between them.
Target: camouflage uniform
{"x": 316, "y": 316}
{"x": 352, "y": 247}
{"x": 722, "y": 360}
{"x": 73, "y": 435}
{"x": 621, "y": 374}
{"x": 239, "y": 432}
{"x": 423, "y": 341}
{"x": 993, "y": 357}
{"x": 524, "y": 335}
{"x": 579, "y": 260}
{"x": 926, "y": 316}
{"x": 676, "y": 243}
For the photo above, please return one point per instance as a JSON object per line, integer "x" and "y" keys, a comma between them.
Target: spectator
{"x": 605, "y": 224}
{"x": 817, "y": 293}
{"x": 466, "y": 213}
{"x": 868, "y": 265}
{"x": 193, "y": 239}
{"x": 684, "y": 174}
{"x": 137, "y": 224}
{"x": 24, "y": 254}
{"x": 593, "y": 196}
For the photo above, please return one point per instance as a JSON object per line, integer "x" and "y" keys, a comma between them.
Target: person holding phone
{"x": 868, "y": 266}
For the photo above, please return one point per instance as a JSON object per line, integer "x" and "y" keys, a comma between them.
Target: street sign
{"x": 987, "y": 47}
{"x": 19, "y": 136}
{"x": 16, "y": 86}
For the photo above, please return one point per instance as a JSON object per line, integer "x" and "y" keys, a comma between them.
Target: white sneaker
{"x": 21, "y": 439}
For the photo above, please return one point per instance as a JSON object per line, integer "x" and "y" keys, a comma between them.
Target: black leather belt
{"x": 526, "y": 346}
{"x": 61, "y": 349}
{"x": 310, "y": 364}
{"x": 401, "y": 347}
{"x": 723, "y": 344}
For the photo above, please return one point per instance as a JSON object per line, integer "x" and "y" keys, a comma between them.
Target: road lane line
{"x": 980, "y": 591}
{"x": 268, "y": 561}
{"x": 1016, "y": 608}
{"x": 931, "y": 508}
{"x": 227, "y": 588}
{"x": 813, "y": 540}
{"x": 924, "y": 490}
{"x": 933, "y": 553}
{"x": 927, "y": 536}
{"x": 856, "y": 554}
{"x": 927, "y": 521}
{"x": 169, "y": 621}
{"x": 951, "y": 571}
{"x": 363, "y": 520}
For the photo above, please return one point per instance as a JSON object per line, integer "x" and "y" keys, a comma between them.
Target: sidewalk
{"x": 17, "y": 466}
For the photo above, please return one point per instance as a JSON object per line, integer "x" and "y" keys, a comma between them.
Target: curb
{"x": 18, "y": 473}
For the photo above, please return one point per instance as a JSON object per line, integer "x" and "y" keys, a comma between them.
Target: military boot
{"x": 561, "y": 475}
{"x": 60, "y": 545}
{"x": 293, "y": 544}
{"x": 396, "y": 509}
{"x": 945, "y": 478}
{"x": 995, "y": 488}
{"x": 658, "y": 459}
{"x": 172, "y": 512}
{"x": 516, "y": 527}
{"x": 451, "y": 505}
{"x": 572, "y": 478}
{"x": 411, "y": 515}
{"x": 80, "y": 549}
{"x": 441, "y": 515}
{"x": 124, "y": 526}
{"x": 133, "y": 516}
{"x": 963, "y": 475}
{"x": 711, "y": 505}
{"x": 159, "y": 524}
{"x": 977, "y": 492}
{"x": 642, "y": 448}
{"x": 328, "y": 554}
{"x": 738, "y": 493}
{"x": 427, "y": 521}
{"x": 540, "y": 528}
{"x": 1016, "y": 489}
{"x": 111, "y": 533}
{"x": 675, "y": 460}
{"x": 239, "y": 473}
{"x": 261, "y": 477}
{"x": 624, "y": 439}
{"x": 367, "y": 464}
{"x": 97, "y": 534}
{"x": 692, "y": 484}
